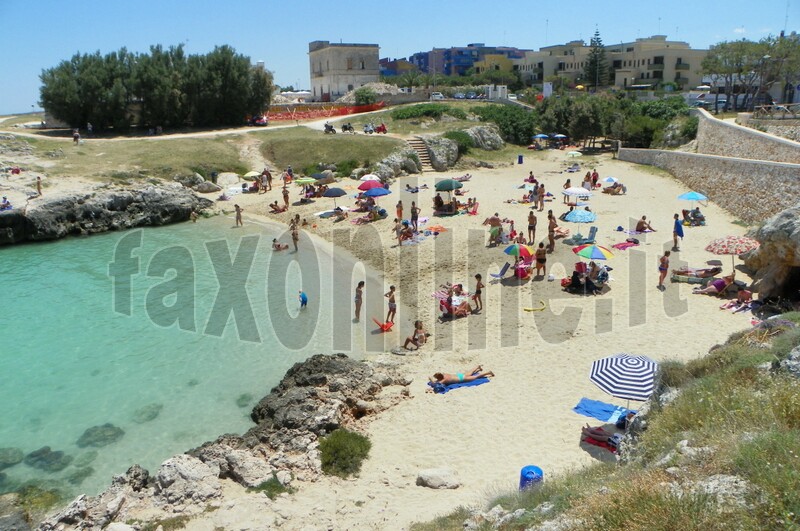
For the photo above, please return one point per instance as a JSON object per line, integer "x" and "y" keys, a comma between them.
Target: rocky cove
{"x": 314, "y": 398}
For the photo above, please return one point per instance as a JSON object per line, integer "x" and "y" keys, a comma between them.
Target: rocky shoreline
{"x": 99, "y": 211}
{"x": 314, "y": 398}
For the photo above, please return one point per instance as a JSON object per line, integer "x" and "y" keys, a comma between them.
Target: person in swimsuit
{"x": 447, "y": 379}
{"x": 239, "y": 211}
{"x": 531, "y": 226}
{"x": 390, "y": 315}
{"x": 541, "y": 193}
{"x": 414, "y": 216}
{"x": 478, "y": 291}
{"x": 699, "y": 273}
{"x": 717, "y": 286}
{"x": 541, "y": 260}
{"x": 677, "y": 232}
{"x": 286, "y": 197}
{"x": 663, "y": 267}
{"x": 398, "y": 230}
{"x": 418, "y": 337}
{"x": 551, "y": 232}
{"x": 359, "y": 299}
{"x": 643, "y": 225}
{"x": 567, "y": 184}
{"x": 279, "y": 246}
{"x": 399, "y": 208}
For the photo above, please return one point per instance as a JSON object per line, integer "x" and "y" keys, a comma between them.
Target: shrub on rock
{"x": 342, "y": 452}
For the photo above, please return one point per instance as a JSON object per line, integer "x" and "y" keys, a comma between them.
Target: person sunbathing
{"x": 698, "y": 273}
{"x": 279, "y": 246}
{"x": 560, "y": 232}
{"x": 600, "y": 435}
{"x": 742, "y": 302}
{"x": 460, "y": 377}
{"x": 717, "y": 286}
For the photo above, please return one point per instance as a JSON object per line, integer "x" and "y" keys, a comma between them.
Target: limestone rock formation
{"x": 443, "y": 151}
{"x": 777, "y": 261}
{"x": 486, "y": 137}
{"x": 99, "y": 211}
{"x": 186, "y": 482}
{"x": 398, "y": 163}
{"x": 438, "y": 478}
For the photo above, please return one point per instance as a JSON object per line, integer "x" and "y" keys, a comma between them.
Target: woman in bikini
{"x": 567, "y": 184}
{"x": 551, "y": 232}
{"x": 531, "y": 226}
{"x": 447, "y": 379}
{"x": 477, "y": 296}
{"x": 541, "y": 260}
{"x": 418, "y": 337}
{"x": 359, "y": 298}
{"x": 663, "y": 267}
{"x": 540, "y": 193}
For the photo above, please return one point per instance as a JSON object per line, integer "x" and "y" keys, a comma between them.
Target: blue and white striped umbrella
{"x": 625, "y": 376}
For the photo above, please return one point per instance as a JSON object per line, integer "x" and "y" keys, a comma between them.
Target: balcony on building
{"x": 682, "y": 66}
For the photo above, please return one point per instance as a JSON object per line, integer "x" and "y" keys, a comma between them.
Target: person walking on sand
{"x": 390, "y": 315}
{"x": 303, "y": 298}
{"x": 414, "y": 216}
{"x": 359, "y": 298}
{"x": 531, "y": 227}
{"x": 295, "y": 237}
{"x": 478, "y": 290}
{"x": 677, "y": 232}
{"x": 39, "y": 185}
{"x": 541, "y": 260}
{"x": 663, "y": 267}
{"x": 239, "y": 211}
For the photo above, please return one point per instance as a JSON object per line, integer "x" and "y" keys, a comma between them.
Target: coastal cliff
{"x": 314, "y": 398}
{"x": 99, "y": 211}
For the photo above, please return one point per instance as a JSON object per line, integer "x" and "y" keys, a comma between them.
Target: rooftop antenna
{"x": 786, "y": 20}
{"x": 547, "y": 25}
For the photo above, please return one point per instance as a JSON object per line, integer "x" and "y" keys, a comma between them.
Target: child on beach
{"x": 390, "y": 315}
{"x": 477, "y": 296}
{"x": 279, "y": 246}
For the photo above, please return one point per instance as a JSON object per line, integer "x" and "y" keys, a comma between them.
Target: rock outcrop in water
{"x": 99, "y": 436}
{"x": 99, "y": 211}
{"x": 314, "y": 398}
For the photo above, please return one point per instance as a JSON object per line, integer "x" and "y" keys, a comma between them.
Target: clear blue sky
{"x": 41, "y": 33}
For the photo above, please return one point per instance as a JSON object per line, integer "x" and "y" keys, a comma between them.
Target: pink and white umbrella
{"x": 732, "y": 245}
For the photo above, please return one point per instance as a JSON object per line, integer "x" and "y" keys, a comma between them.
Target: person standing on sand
{"x": 398, "y": 231}
{"x": 531, "y": 227}
{"x": 677, "y": 232}
{"x": 239, "y": 211}
{"x": 295, "y": 237}
{"x": 359, "y": 298}
{"x": 303, "y": 298}
{"x": 399, "y": 208}
{"x": 541, "y": 193}
{"x": 414, "y": 216}
{"x": 551, "y": 232}
{"x": 39, "y": 185}
{"x": 286, "y": 197}
{"x": 663, "y": 267}
{"x": 478, "y": 291}
{"x": 567, "y": 185}
{"x": 390, "y": 315}
{"x": 541, "y": 260}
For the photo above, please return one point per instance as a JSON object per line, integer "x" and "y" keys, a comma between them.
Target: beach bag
{"x": 565, "y": 282}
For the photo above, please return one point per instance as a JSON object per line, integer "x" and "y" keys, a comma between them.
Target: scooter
{"x": 369, "y": 128}
{"x": 348, "y": 128}
{"x": 381, "y": 128}
{"x": 330, "y": 129}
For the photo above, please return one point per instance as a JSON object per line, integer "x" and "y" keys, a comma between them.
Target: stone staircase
{"x": 418, "y": 145}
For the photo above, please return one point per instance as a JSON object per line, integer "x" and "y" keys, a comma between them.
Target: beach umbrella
{"x": 625, "y": 376}
{"x": 334, "y": 193}
{"x": 540, "y": 135}
{"x": 732, "y": 245}
{"x": 252, "y": 174}
{"x": 520, "y": 251}
{"x": 448, "y": 185}
{"x": 593, "y": 252}
{"x": 370, "y": 177}
{"x": 559, "y": 135}
{"x": 610, "y": 180}
{"x": 577, "y": 191}
{"x": 305, "y": 180}
{"x": 574, "y": 154}
{"x": 580, "y": 216}
{"x": 367, "y": 185}
{"x": 692, "y": 196}
{"x": 377, "y": 192}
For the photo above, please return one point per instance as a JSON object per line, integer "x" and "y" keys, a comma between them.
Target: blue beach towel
{"x": 600, "y": 410}
{"x": 439, "y": 388}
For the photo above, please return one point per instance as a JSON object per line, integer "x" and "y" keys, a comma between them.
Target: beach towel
{"x": 600, "y": 410}
{"x": 601, "y": 444}
{"x": 624, "y": 245}
{"x": 414, "y": 240}
{"x": 441, "y": 389}
{"x": 619, "y": 229}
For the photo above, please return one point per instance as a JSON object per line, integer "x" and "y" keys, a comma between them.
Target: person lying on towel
{"x": 447, "y": 379}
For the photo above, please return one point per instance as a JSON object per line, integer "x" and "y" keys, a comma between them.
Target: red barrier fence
{"x": 309, "y": 112}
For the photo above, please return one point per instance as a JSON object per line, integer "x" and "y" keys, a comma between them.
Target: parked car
{"x": 437, "y": 96}
{"x": 471, "y": 95}
{"x": 259, "y": 120}
{"x": 512, "y": 97}
{"x": 459, "y": 95}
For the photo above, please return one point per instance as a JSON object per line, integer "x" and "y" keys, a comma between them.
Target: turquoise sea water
{"x": 71, "y": 358}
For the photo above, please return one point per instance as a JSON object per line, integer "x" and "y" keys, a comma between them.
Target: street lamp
{"x": 761, "y": 63}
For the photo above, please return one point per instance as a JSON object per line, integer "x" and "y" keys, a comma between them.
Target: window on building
{"x": 363, "y": 65}
{"x": 349, "y": 63}
{"x": 658, "y": 74}
{"x": 679, "y": 61}
{"x": 629, "y": 49}
{"x": 617, "y": 64}
{"x": 658, "y": 60}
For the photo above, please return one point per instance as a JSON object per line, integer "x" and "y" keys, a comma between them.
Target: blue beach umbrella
{"x": 377, "y": 192}
{"x": 540, "y": 135}
{"x": 334, "y": 193}
{"x": 692, "y": 196}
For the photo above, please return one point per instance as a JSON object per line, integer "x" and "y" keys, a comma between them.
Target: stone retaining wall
{"x": 717, "y": 137}
{"x": 751, "y": 190}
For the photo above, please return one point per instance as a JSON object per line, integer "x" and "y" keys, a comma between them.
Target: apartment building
{"x": 338, "y": 68}
{"x": 645, "y": 62}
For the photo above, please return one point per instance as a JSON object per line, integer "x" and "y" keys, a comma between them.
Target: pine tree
{"x": 596, "y": 70}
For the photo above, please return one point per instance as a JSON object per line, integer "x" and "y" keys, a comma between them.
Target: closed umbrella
{"x": 367, "y": 185}
{"x": 334, "y": 193}
{"x": 625, "y": 376}
{"x": 732, "y": 245}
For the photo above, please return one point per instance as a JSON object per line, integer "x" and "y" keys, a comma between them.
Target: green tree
{"x": 411, "y": 79}
{"x": 365, "y": 96}
{"x": 596, "y": 69}
{"x": 158, "y": 82}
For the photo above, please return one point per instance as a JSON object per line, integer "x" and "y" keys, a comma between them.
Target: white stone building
{"x": 338, "y": 68}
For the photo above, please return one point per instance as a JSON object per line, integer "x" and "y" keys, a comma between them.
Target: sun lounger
{"x": 502, "y": 272}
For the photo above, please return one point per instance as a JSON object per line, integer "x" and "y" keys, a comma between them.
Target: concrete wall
{"x": 717, "y": 137}
{"x": 751, "y": 190}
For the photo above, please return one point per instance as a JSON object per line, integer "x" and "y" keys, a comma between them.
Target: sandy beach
{"x": 541, "y": 359}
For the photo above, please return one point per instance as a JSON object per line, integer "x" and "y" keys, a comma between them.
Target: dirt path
{"x": 250, "y": 153}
